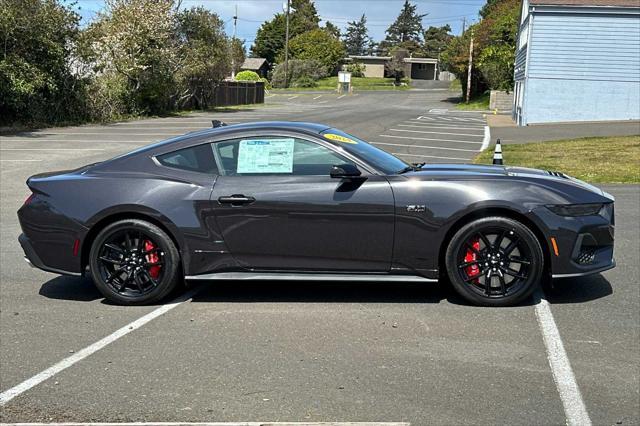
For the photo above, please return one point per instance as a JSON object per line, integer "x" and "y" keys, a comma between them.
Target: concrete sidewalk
{"x": 503, "y": 128}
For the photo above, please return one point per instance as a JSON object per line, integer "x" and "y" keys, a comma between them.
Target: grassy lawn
{"x": 479, "y": 103}
{"x": 358, "y": 83}
{"x": 596, "y": 160}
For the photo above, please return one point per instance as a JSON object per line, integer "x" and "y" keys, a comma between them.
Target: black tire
{"x": 494, "y": 261}
{"x": 147, "y": 258}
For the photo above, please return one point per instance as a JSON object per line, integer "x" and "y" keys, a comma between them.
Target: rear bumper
{"x": 34, "y": 260}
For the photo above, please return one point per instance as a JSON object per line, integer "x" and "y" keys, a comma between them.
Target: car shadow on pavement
{"x": 578, "y": 290}
{"x": 560, "y": 291}
{"x": 70, "y": 288}
{"x": 319, "y": 292}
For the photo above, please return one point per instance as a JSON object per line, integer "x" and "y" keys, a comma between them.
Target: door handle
{"x": 236, "y": 199}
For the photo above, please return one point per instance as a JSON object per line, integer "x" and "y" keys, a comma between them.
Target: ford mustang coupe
{"x": 303, "y": 201}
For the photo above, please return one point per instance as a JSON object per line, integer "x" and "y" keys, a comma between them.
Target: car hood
{"x": 466, "y": 171}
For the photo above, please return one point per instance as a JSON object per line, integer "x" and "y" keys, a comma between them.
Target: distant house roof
{"x": 388, "y": 58}
{"x": 421, "y": 60}
{"x": 590, "y": 3}
{"x": 369, "y": 58}
{"x": 253, "y": 63}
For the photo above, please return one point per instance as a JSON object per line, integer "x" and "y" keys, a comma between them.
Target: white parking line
{"x": 341, "y": 96}
{"x": 436, "y": 133}
{"x": 317, "y": 97}
{"x": 486, "y": 139}
{"x": 424, "y": 147}
{"x": 431, "y": 126}
{"x": 574, "y": 409}
{"x": 292, "y": 97}
{"x": 429, "y": 123}
{"x": 430, "y": 156}
{"x": 429, "y": 139}
{"x": 11, "y": 393}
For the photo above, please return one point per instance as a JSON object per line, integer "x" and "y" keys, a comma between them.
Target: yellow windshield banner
{"x": 339, "y": 138}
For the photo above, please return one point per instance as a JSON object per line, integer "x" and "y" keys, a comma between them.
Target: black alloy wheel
{"x": 134, "y": 262}
{"x": 494, "y": 261}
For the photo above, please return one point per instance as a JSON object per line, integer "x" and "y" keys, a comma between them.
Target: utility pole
{"x": 286, "y": 47}
{"x": 470, "y": 67}
{"x": 233, "y": 40}
{"x": 464, "y": 24}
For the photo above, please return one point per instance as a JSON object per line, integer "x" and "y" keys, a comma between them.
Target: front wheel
{"x": 494, "y": 261}
{"x": 134, "y": 262}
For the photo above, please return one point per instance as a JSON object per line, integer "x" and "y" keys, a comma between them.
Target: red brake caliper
{"x": 470, "y": 256}
{"x": 153, "y": 257}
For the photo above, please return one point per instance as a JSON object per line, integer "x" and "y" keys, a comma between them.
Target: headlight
{"x": 576, "y": 209}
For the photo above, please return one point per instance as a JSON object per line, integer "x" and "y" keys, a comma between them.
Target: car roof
{"x": 187, "y": 139}
{"x": 300, "y": 126}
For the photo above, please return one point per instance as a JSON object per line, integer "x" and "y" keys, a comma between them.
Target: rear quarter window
{"x": 197, "y": 158}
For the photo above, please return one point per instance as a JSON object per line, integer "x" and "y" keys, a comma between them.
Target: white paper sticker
{"x": 265, "y": 156}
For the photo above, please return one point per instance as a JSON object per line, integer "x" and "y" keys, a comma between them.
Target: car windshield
{"x": 376, "y": 157}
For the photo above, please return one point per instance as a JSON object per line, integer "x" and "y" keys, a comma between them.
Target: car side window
{"x": 276, "y": 155}
{"x": 197, "y": 158}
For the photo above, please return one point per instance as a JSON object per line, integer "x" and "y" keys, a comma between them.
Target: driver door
{"x": 278, "y": 208}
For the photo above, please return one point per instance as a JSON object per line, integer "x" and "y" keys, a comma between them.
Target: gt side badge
{"x": 416, "y": 208}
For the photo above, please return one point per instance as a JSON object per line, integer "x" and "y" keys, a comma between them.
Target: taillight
{"x": 29, "y": 198}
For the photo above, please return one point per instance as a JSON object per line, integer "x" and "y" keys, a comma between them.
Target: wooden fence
{"x": 225, "y": 93}
{"x": 230, "y": 93}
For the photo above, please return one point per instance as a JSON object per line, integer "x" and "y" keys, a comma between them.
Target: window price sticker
{"x": 265, "y": 156}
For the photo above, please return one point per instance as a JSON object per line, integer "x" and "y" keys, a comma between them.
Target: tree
{"x": 204, "y": 53}
{"x": 269, "y": 41}
{"x": 406, "y": 31}
{"x": 135, "y": 39}
{"x": 319, "y": 45}
{"x": 396, "y": 67}
{"x": 36, "y": 81}
{"x": 436, "y": 40}
{"x": 497, "y": 35}
{"x": 356, "y": 38}
{"x": 332, "y": 29}
{"x": 237, "y": 54}
{"x": 456, "y": 59}
{"x": 494, "y": 48}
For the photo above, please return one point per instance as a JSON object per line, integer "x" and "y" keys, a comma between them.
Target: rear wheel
{"x": 134, "y": 262}
{"x": 494, "y": 261}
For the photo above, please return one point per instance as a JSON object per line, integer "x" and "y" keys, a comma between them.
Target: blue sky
{"x": 380, "y": 13}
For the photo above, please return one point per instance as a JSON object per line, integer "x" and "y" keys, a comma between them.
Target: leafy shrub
{"x": 267, "y": 83}
{"x": 318, "y": 45}
{"x": 304, "y": 81}
{"x": 356, "y": 69}
{"x": 298, "y": 68}
{"x": 247, "y": 76}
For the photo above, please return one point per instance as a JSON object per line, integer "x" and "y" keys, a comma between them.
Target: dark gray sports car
{"x": 302, "y": 201}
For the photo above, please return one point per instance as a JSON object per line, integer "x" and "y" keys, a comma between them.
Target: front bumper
{"x": 584, "y": 244}
{"x": 34, "y": 260}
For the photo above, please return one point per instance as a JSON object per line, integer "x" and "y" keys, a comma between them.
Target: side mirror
{"x": 344, "y": 171}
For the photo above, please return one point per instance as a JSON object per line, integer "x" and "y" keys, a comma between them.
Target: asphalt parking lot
{"x": 312, "y": 351}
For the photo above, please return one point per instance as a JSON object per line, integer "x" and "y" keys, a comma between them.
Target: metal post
{"x": 233, "y": 58}
{"x": 286, "y": 48}
{"x": 470, "y": 68}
